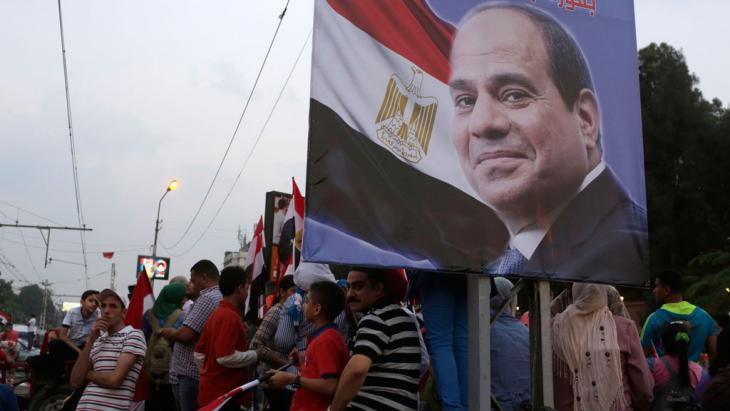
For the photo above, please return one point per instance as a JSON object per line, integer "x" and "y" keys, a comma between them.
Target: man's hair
{"x": 330, "y": 296}
{"x": 230, "y": 279}
{"x": 87, "y": 293}
{"x": 286, "y": 282}
{"x": 283, "y": 202}
{"x": 375, "y": 275}
{"x": 179, "y": 279}
{"x": 567, "y": 65}
{"x": 671, "y": 279}
{"x": 206, "y": 268}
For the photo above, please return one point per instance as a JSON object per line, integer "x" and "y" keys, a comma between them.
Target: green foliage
{"x": 709, "y": 281}
{"x": 686, "y": 147}
{"x": 28, "y": 302}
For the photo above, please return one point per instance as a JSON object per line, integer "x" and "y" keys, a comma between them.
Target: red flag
{"x": 298, "y": 210}
{"x": 255, "y": 257}
{"x": 108, "y": 254}
{"x": 142, "y": 300}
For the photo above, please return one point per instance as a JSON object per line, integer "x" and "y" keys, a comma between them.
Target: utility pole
{"x": 46, "y": 234}
{"x": 45, "y": 285}
{"x": 113, "y": 282}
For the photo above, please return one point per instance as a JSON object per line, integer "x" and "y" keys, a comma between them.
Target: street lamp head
{"x": 173, "y": 185}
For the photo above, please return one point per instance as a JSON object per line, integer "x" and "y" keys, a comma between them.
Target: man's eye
{"x": 515, "y": 97}
{"x": 463, "y": 102}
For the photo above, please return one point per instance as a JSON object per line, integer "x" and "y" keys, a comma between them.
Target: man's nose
{"x": 350, "y": 292}
{"x": 488, "y": 119}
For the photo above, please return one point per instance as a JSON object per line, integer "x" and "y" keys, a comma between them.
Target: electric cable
{"x": 235, "y": 131}
{"x": 74, "y": 162}
{"x": 250, "y": 153}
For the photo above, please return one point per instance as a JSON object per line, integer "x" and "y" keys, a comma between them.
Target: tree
{"x": 686, "y": 141}
{"x": 8, "y": 298}
{"x": 711, "y": 284}
{"x": 30, "y": 301}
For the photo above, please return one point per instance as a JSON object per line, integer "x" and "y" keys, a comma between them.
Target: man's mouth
{"x": 499, "y": 154}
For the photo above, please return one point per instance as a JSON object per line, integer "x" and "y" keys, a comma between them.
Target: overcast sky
{"x": 156, "y": 91}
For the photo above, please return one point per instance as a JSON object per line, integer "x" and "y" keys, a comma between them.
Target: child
{"x": 326, "y": 354}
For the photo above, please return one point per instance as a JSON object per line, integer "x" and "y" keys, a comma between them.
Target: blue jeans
{"x": 443, "y": 298}
{"x": 186, "y": 393}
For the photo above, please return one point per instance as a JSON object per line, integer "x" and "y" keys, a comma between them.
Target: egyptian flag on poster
{"x": 384, "y": 185}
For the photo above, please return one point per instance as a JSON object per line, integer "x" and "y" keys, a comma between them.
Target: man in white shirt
{"x": 32, "y": 330}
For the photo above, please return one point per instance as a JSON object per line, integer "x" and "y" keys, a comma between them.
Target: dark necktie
{"x": 512, "y": 262}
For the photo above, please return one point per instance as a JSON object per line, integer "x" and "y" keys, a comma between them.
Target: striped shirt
{"x": 182, "y": 362}
{"x": 104, "y": 356}
{"x": 389, "y": 337}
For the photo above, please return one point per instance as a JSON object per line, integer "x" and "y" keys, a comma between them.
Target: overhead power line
{"x": 27, "y": 212}
{"x": 74, "y": 162}
{"x": 250, "y": 153}
{"x": 235, "y": 131}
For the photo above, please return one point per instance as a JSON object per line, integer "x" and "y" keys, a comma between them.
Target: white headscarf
{"x": 585, "y": 344}
{"x": 307, "y": 274}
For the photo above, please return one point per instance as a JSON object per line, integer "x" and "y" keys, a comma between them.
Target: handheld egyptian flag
{"x": 255, "y": 256}
{"x": 221, "y": 401}
{"x": 292, "y": 230}
{"x": 142, "y": 300}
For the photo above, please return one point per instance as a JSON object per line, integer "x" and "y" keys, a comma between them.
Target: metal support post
{"x": 478, "y": 293}
{"x": 541, "y": 346}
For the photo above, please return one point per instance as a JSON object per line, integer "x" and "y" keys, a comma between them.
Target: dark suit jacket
{"x": 601, "y": 236}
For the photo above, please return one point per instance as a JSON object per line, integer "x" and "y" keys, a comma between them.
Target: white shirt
{"x": 528, "y": 236}
{"x": 31, "y": 325}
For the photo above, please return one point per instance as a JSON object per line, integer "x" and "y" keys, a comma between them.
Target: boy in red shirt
{"x": 221, "y": 352}
{"x": 326, "y": 354}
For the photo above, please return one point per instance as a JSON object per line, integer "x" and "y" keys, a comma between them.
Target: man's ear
{"x": 586, "y": 108}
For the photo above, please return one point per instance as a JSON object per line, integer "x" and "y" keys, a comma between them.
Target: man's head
{"x": 234, "y": 284}
{"x": 526, "y": 120}
{"x": 89, "y": 301}
{"x": 112, "y": 308}
{"x": 365, "y": 286}
{"x": 203, "y": 274}
{"x": 282, "y": 204}
{"x": 668, "y": 286}
{"x": 286, "y": 287}
{"x": 325, "y": 300}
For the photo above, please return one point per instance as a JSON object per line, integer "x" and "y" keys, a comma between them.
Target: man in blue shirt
{"x": 510, "y": 351}
{"x": 703, "y": 329}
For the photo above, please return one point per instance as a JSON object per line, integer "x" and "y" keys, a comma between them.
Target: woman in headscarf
{"x": 167, "y": 312}
{"x": 598, "y": 360}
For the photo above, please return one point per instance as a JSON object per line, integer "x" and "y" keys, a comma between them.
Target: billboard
{"x": 156, "y": 268}
{"x": 277, "y": 204}
{"x": 479, "y": 137}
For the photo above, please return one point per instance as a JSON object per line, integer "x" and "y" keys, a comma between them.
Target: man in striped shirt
{"x": 384, "y": 370}
{"x": 111, "y": 360}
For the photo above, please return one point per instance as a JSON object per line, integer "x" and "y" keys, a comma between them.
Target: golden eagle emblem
{"x": 405, "y": 120}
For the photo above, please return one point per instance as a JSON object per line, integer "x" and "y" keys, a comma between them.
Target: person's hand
{"x": 166, "y": 332}
{"x": 294, "y": 356}
{"x": 99, "y": 326}
{"x": 280, "y": 379}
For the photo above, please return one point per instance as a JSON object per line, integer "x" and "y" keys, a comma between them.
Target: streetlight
{"x": 172, "y": 186}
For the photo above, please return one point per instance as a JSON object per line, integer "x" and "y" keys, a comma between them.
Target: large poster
{"x": 479, "y": 137}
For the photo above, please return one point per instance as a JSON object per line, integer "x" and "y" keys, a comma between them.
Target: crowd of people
{"x": 377, "y": 341}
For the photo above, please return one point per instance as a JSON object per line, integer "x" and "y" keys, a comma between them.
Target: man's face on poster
{"x": 520, "y": 147}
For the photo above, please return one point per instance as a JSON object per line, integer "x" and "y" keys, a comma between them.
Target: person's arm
{"x": 324, "y": 386}
{"x": 712, "y": 346}
{"x": 83, "y": 364}
{"x": 640, "y": 378}
{"x": 63, "y": 336}
{"x": 238, "y": 359}
{"x": 184, "y": 334}
{"x": 352, "y": 379}
{"x": 647, "y": 335}
{"x": 113, "y": 379}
